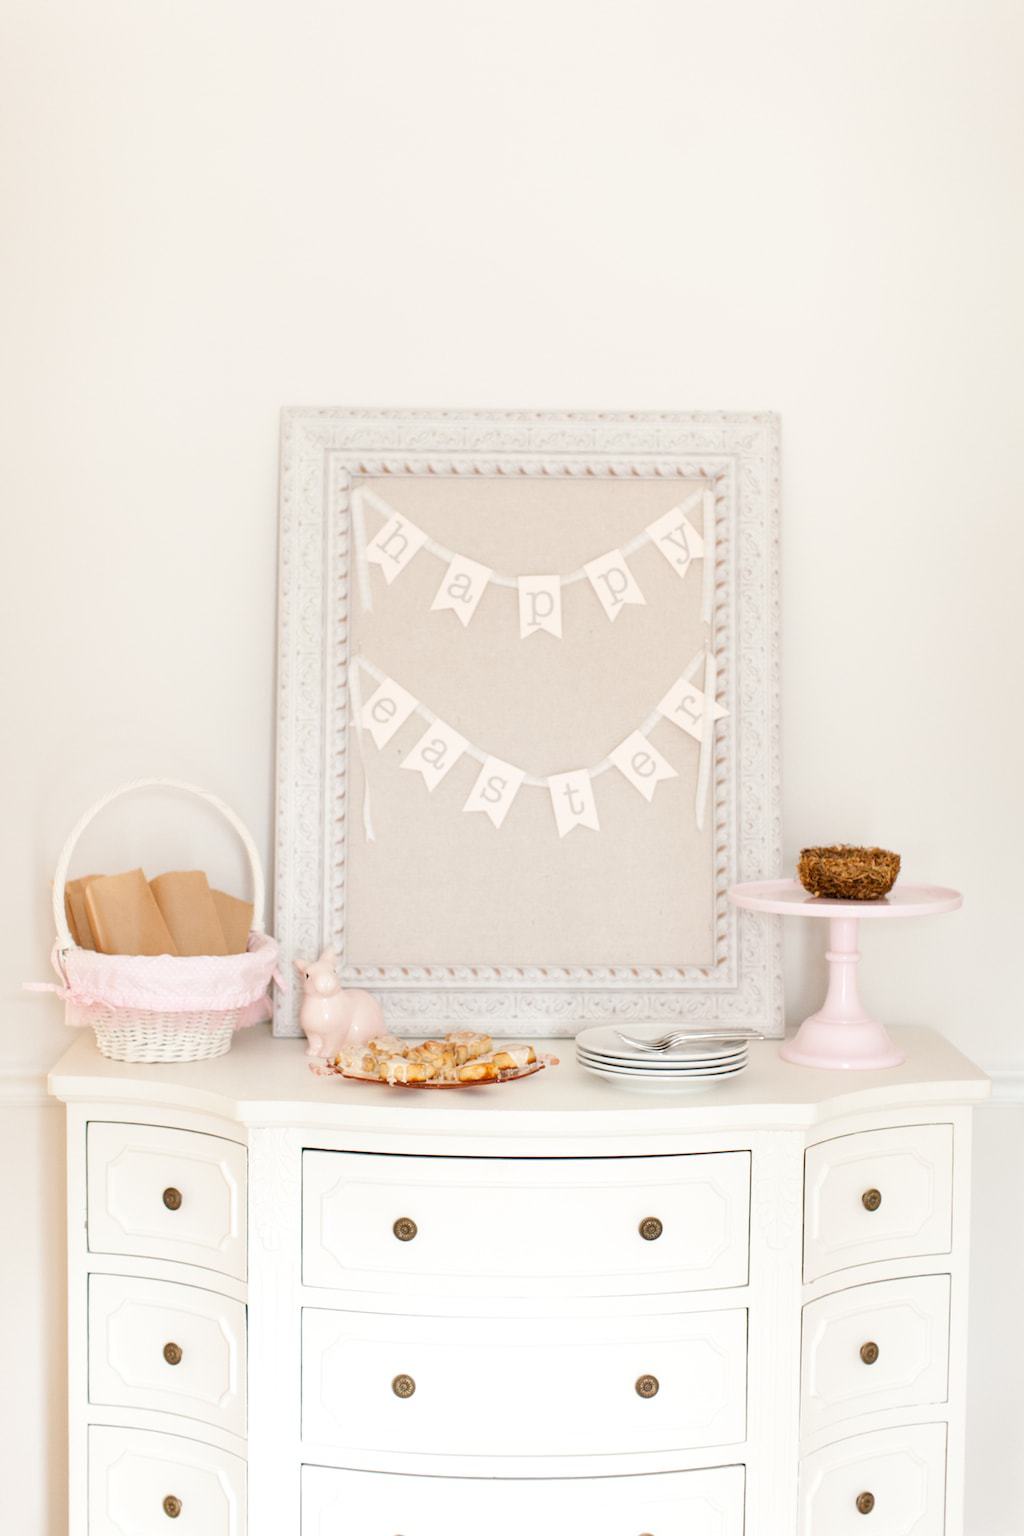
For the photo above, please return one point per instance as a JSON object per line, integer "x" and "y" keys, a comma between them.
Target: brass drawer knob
{"x": 647, "y": 1386}
{"x": 651, "y": 1229}
{"x": 865, "y": 1503}
{"x": 871, "y": 1199}
{"x": 172, "y": 1198}
{"x": 403, "y": 1386}
{"x": 172, "y": 1354}
{"x": 869, "y": 1353}
{"x": 172, "y": 1507}
{"x": 405, "y": 1229}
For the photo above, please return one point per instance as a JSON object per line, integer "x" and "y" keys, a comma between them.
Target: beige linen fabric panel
{"x": 438, "y": 887}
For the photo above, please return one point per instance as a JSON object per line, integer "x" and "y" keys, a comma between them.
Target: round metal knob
{"x": 172, "y": 1507}
{"x": 405, "y": 1229}
{"x": 871, "y": 1199}
{"x": 403, "y": 1386}
{"x": 172, "y": 1198}
{"x": 869, "y": 1353}
{"x": 647, "y": 1386}
{"x": 172, "y": 1354}
{"x": 650, "y": 1229}
{"x": 865, "y": 1503}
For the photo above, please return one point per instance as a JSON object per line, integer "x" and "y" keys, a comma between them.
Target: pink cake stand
{"x": 841, "y": 1034}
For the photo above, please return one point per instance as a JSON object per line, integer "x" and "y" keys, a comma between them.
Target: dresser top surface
{"x": 267, "y": 1081}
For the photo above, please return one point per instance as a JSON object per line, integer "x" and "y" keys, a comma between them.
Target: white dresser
{"x": 300, "y": 1307}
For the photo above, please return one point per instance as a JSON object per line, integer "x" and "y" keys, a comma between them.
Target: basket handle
{"x": 64, "y": 939}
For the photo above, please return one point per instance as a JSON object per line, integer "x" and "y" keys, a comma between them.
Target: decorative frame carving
{"x": 320, "y": 452}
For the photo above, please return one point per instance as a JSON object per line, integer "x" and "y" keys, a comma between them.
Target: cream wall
{"x": 214, "y": 209}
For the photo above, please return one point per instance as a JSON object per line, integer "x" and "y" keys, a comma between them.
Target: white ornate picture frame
{"x": 530, "y": 489}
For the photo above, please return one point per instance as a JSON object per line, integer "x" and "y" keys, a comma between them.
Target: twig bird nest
{"x": 847, "y": 873}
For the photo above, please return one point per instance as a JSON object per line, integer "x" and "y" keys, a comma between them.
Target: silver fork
{"x": 681, "y": 1036}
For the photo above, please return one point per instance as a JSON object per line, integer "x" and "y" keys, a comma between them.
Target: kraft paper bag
{"x": 235, "y": 920}
{"x": 187, "y": 907}
{"x": 124, "y": 916}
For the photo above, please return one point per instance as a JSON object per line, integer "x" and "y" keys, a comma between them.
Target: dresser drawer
{"x": 515, "y": 1387}
{"x": 878, "y": 1195}
{"x": 143, "y": 1484}
{"x": 173, "y": 1348}
{"x": 874, "y": 1347}
{"x": 897, "y": 1476}
{"x": 165, "y": 1194}
{"x": 460, "y": 1226}
{"x": 670, "y": 1504}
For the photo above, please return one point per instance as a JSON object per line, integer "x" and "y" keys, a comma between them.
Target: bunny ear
{"x": 300, "y": 966}
{"x": 329, "y": 956}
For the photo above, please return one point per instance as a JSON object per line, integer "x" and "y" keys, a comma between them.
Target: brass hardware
{"x": 172, "y": 1198}
{"x": 172, "y": 1507}
{"x": 871, "y": 1199}
{"x": 865, "y": 1503}
{"x": 172, "y": 1354}
{"x": 403, "y": 1386}
{"x": 650, "y": 1229}
{"x": 405, "y": 1229}
{"x": 647, "y": 1386}
{"x": 869, "y": 1353}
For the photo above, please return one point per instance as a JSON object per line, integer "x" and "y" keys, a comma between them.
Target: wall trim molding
{"x": 25, "y": 1087}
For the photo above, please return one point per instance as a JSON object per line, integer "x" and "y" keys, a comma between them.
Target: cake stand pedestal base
{"x": 841, "y": 1033}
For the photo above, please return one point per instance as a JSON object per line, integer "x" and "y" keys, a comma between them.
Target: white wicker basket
{"x": 164, "y": 1007}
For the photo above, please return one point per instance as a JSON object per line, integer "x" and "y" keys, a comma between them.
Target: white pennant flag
{"x": 438, "y": 749}
{"x": 677, "y": 539}
{"x": 614, "y": 583}
{"x": 572, "y": 798}
{"x": 395, "y": 545}
{"x": 495, "y": 789}
{"x": 462, "y": 588}
{"x": 642, "y": 764}
{"x": 386, "y": 710}
{"x": 540, "y": 605}
{"x": 686, "y": 706}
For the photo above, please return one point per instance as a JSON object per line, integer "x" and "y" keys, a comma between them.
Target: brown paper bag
{"x": 124, "y": 917}
{"x": 186, "y": 905}
{"x": 77, "y": 916}
{"x": 235, "y": 918}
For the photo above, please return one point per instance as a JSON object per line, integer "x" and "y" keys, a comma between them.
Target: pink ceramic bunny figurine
{"x": 332, "y": 1016}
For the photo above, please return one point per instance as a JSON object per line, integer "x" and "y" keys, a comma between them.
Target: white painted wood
{"x": 910, "y": 1167}
{"x": 524, "y": 1315}
{"x": 130, "y": 1167}
{"x": 544, "y": 1388}
{"x": 903, "y": 1469}
{"x": 132, "y": 1472}
{"x": 519, "y": 1226}
{"x": 131, "y": 1321}
{"x": 339, "y": 1503}
{"x": 907, "y": 1321}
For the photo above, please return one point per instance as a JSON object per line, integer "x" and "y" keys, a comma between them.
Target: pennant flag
{"x": 386, "y": 710}
{"x": 614, "y": 583}
{"x": 686, "y": 706}
{"x": 540, "y": 605}
{"x": 462, "y": 588}
{"x": 572, "y": 797}
{"x": 642, "y": 764}
{"x": 677, "y": 539}
{"x": 394, "y": 546}
{"x": 438, "y": 749}
{"x": 495, "y": 789}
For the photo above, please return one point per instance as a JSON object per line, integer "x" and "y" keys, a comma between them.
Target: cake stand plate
{"x": 841, "y": 1034}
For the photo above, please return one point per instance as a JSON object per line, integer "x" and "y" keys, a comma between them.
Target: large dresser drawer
{"x": 461, "y": 1226}
{"x": 874, "y": 1347}
{"x": 165, "y": 1194}
{"x": 705, "y": 1503}
{"x": 172, "y": 1348}
{"x": 144, "y": 1484}
{"x": 520, "y": 1387}
{"x": 878, "y": 1195}
{"x": 897, "y": 1476}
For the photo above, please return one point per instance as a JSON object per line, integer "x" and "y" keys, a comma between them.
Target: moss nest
{"x": 847, "y": 873}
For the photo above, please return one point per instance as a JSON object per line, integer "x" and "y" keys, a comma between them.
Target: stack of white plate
{"x": 695, "y": 1062}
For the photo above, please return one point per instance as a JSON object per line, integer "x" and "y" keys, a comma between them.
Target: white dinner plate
{"x": 677, "y": 1077}
{"x": 660, "y": 1064}
{"x": 675, "y": 1084}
